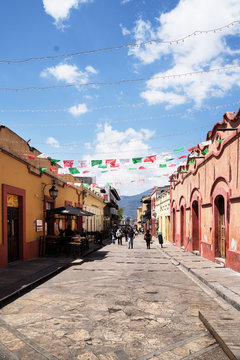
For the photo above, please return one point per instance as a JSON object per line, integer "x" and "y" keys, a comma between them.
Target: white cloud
{"x": 113, "y": 144}
{"x": 52, "y": 142}
{"x": 78, "y": 109}
{"x": 125, "y": 2}
{"x": 60, "y": 9}
{"x": 125, "y": 31}
{"x": 69, "y": 73}
{"x": 198, "y": 52}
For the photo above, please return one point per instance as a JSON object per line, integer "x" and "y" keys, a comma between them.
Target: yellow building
{"x": 24, "y": 199}
{"x": 139, "y": 217}
{"x": 162, "y": 209}
{"x": 94, "y": 203}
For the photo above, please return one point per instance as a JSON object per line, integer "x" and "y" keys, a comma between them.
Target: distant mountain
{"x": 131, "y": 203}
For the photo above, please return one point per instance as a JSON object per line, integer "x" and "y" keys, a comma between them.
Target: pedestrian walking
{"x": 130, "y": 237}
{"x": 160, "y": 238}
{"x": 126, "y": 234}
{"x": 148, "y": 238}
{"x": 112, "y": 235}
{"x": 119, "y": 236}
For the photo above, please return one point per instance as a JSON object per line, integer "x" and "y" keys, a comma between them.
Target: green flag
{"x": 85, "y": 185}
{"x": 205, "y": 151}
{"x": 102, "y": 166}
{"x": 132, "y": 168}
{"x": 103, "y": 171}
{"x": 54, "y": 161}
{"x": 96, "y": 162}
{"x": 158, "y": 176}
{"x": 178, "y": 149}
{"x": 220, "y": 141}
{"x": 136, "y": 160}
{"x": 109, "y": 184}
{"x": 191, "y": 162}
{"x": 183, "y": 171}
{"x": 42, "y": 170}
{"x": 170, "y": 159}
{"x": 74, "y": 170}
{"x": 162, "y": 165}
{"x": 132, "y": 180}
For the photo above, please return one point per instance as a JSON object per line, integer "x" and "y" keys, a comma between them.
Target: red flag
{"x": 141, "y": 180}
{"x": 165, "y": 174}
{"x": 68, "y": 163}
{"x": 193, "y": 148}
{"x": 182, "y": 157}
{"x": 52, "y": 169}
{"x": 172, "y": 165}
{"x": 142, "y": 167}
{"x": 150, "y": 158}
{"x": 85, "y": 172}
{"x": 30, "y": 156}
{"x": 69, "y": 183}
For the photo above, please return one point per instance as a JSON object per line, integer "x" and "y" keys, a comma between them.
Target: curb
{"x": 25, "y": 289}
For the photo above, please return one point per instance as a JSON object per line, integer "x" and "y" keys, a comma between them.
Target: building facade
{"x": 162, "y": 208}
{"x": 205, "y": 196}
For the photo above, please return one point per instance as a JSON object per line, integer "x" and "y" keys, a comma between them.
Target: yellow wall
{"x": 94, "y": 203}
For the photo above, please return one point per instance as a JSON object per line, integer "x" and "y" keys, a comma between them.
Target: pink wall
{"x": 210, "y": 186}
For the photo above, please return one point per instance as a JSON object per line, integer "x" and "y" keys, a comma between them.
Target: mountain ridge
{"x": 131, "y": 203}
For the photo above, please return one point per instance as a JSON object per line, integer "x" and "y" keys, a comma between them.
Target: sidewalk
{"x": 21, "y": 276}
{"x": 225, "y": 283}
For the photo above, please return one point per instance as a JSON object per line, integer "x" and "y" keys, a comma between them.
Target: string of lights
{"x": 117, "y": 106}
{"x": 124, "y": 81}
{"x": 129, "y": 45}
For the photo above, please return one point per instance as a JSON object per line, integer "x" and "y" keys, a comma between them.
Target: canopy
{"x": 69, "y": 210}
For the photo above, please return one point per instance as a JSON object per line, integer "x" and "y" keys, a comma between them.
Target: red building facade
{"x": 205, "y": 196}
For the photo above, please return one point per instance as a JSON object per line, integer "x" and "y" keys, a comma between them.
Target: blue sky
{"x": 132, "y": 119}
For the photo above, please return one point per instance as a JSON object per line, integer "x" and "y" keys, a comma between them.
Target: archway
{"x": 182, "y": 225}
{"x": 195, "y": 226}
{"x": 174, "y": 225}
{"x": 220, "y": 237}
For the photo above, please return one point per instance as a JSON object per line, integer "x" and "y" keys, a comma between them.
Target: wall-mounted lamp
{"x": 53, "y": 191}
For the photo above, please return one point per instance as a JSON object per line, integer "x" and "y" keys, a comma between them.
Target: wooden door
{"x": 13, "y": 233}
{"x": 182, "y": 226}
{"x": 221, "y": 228}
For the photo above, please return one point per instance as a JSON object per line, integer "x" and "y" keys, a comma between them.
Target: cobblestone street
{"x": 119, "y": 304}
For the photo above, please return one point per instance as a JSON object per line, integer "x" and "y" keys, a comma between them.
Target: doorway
{"x": 182, "y": 228}
{"x": 174, "y": 225}
{"x": 195, "y": 226}
{"x": 220, "y": 229}
{"x": 13, "y": 233}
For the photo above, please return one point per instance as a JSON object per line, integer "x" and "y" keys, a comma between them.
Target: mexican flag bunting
{"x": 191, "y": 162}
{"x": 179, "y": 149}
{"x": 86, "y": 172}
{"x": 68, "y": 163}
{"x": 102, "y": 166}
{"x": 32, "y": 157}
{"x": 172, "y": 165}
{"x": 205, "y": 151}
{"x": 96, "y": 162}
{"x": 124, "y": 161}
{"x": 132, "y": 168}
{"x": 206, "y": 143}
{"x": 136, "y": 160}
{"x": 52, "y": 169}
{"x": 182, "y": 157}
{"x": 104, "y": 171}
{"x": 162, "y": 165}
{"x": 170, "y": 159}
{"x": 42, "y": 156}
{"x": 142, "y": 168}
{"x": 54, "y": 161}
{"x": 220, "y": 141}
{"x": 42, "y": 170}
{"x": 151, "y": 158}
{"x": 82, "y": 163}
{"x": 74, "y": 171}
{"x": 63, "y": 171}
{"x": 193, "y": 148}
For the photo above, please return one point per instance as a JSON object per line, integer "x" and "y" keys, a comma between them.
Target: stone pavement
{"x": 22, "y": 276}
{"x": 224, "y": 283}
{"x": 118, "y": 304}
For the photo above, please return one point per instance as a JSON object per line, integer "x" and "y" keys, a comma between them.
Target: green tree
{"x": 120, "y": 214}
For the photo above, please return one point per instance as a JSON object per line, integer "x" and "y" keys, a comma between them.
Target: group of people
{"x": 127, "y": 232}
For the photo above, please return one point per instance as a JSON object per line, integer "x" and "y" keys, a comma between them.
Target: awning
{"x": 69, "y": 210}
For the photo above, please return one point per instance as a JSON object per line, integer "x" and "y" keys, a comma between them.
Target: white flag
{"x": 42, "y": 156}
{"x": 205, "y": 143}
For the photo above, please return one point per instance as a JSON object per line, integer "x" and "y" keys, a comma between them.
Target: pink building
{"x": 205, "y": 196}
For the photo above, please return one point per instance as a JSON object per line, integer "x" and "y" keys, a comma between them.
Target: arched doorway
{"x": 174, "y": 225}
{"x": 195, "y": 225}
{"x": 220, "y": 227}
{"x": 182, "y": 225}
